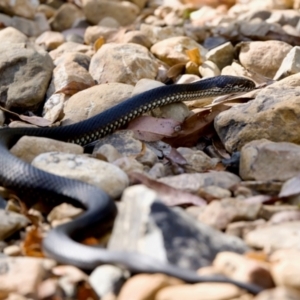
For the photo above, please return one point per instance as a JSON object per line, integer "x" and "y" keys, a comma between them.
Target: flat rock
{"x": 127, "y": 145}
{"x": 220, "y": 213}
{"x": 193, "y": 182}
{"x": 123, "y": 63}
{"x": 25, "y": 68}
{"x": 164, "y": 233}
{"x": 146, "y": 286}
{"x": 70, "y": 47}
{"x": 10, "y": 222}
{"x": 262, "y": 160}
{"x": 275, "y": 237}
{"x": 90, "y": 170}
{"x": 28, "y": 147}
{"x": 274, "y": 115}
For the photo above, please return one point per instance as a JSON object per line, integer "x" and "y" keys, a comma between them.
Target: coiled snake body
{"x": 28, "y": 180}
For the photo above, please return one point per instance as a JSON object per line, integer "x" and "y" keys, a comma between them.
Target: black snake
{"x": 33, "y": 183}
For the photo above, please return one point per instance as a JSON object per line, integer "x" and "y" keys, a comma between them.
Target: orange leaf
{"x": 32, "y": 245}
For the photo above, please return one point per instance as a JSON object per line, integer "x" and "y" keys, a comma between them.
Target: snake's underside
{"x": 25, "y": 179}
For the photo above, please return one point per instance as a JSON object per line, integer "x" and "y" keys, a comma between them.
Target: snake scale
{"x": 33, "y": 183}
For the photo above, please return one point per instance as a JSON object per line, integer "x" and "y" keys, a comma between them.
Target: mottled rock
{"x": 10, "y": 222}
{"x": 106, "y": 176}
{"x": 90, "y": 102}
{"x": 124, "y": 63}
{"x": 262, "y": 160}
{"x": 219, "y": 214}
{"x": 263, "y": 58}
{"x": 28, "y": 147}
{"x": 124, "y": 12}
{"x": 157, "y": 228}
{"x": 173, "y": 50}
{"x": 25, "y": 68}
{"x": 272, "y": 115}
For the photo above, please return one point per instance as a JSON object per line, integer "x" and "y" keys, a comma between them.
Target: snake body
{"x": 33, "y": 183}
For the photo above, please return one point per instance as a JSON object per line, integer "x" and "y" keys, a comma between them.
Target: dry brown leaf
{"x": 194, "y": 56}
{"x": 199, "y": 124}
{"x": 35, "y": 120}
{"x": 151, "y": 129}
{"x": 176, "y": 70}
{"x": 167, "y": 194}
{"x": 99, "y": 43}
{"x": 73, "y": 87}
{"x": 32, "y": 245}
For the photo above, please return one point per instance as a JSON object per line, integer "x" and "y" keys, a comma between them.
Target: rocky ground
{"x": 226, "y": 170}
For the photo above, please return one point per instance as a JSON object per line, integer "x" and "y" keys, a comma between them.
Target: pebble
{"x": 68, "y": 62}
{"x": 123, "y": 63}
{"x": 270, "y": 117}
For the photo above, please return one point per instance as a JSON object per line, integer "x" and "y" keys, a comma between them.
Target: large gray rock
{"x": 169, "y": 235}
{"x": 274, "y": 115}
{"x": 26, "y": 73}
